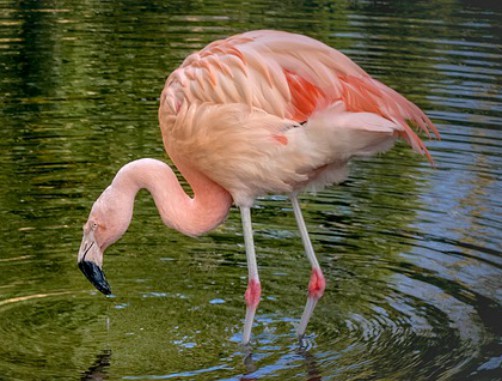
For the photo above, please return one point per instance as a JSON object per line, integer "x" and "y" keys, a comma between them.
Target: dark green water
{"x": 412, "y": 255}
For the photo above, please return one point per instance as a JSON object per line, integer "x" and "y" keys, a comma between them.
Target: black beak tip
{"x": 95, "y": 275}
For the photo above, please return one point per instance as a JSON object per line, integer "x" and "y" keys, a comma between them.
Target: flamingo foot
{"x": 252, "y": 296}
{"x": 317, "y": 284}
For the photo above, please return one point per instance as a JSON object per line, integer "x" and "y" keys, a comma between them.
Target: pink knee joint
{"x": 253, "y": 293}
{"x": 317, "y": 283}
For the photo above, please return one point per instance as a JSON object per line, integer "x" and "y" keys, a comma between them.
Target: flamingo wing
{"x": 245, "y": 93}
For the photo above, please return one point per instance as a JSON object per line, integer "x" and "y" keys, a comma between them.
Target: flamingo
{"x": 263, "y": 112}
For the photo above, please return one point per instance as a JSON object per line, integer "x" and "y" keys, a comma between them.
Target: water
{"x": 412, "y": 254}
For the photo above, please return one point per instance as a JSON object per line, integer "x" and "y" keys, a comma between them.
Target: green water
{"x": 412, "y": 254}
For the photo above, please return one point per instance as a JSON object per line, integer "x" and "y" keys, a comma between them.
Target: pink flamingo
{"x": 257, "y": 113}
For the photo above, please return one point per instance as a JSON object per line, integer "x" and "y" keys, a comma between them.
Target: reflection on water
{"x": 98, "y": 370}
{"x": 412, "y": 255}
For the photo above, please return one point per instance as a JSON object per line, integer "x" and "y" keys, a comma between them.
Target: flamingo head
{"x": 107, "y": 222}
{"x": 90, "y": 258}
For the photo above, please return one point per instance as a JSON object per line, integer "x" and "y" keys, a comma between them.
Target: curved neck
{"x": 191, "y": 216}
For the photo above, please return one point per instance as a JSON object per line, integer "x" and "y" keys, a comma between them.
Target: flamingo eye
{"x": 94, "y": 226}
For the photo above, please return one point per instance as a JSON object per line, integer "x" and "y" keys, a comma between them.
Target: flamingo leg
{"x": 317, "y": 283}
{"x": 253, "y": 290}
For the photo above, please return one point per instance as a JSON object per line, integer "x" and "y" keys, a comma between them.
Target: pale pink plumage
{"x": 233, "y": 111}
{"x": 257, "y": 113}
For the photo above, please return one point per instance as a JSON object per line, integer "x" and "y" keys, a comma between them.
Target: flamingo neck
{"x": 192, "y": 216}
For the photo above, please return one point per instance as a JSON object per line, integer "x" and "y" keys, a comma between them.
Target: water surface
{"x": 412, "y": 254}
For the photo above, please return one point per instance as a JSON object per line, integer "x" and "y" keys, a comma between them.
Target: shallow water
{"x": 412, "y": 254}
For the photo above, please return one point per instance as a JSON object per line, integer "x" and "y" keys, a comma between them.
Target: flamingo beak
{"x": 90, "y": 259}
